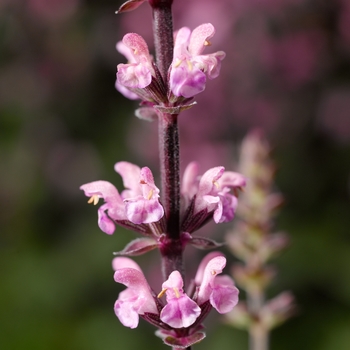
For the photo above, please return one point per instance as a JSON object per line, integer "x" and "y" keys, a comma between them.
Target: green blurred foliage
{"x": 63, "y": 124}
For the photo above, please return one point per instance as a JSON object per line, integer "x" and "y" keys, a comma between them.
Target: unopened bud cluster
{"x": 254, "y": 244}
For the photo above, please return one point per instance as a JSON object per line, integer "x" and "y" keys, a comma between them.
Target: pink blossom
{"x": 141, "y": 194}
{"x": 219, "y": 290}
{"x": 212, "y": 191}
{"x": 137, "y": 298}
{"x": 113, "y": 209}
{"x": 189, "y": 68}
{"x": 181, "y": 311}
{"x": 138, "y": 203}
{"x": 137, "y": 73}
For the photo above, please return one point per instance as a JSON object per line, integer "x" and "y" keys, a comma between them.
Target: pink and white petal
{"x": 125, "y": 51}
{"x": 126, "y": 313}
{"x": 186, "y": 81}
{"x": 203, "y": 264}
{"x": 104, "y": 222}
{"x": 143, "y": 75}
{"x": 136, "y": 283}
{"x": 126, "y": 75}
{"x": 137, "y": 45}
{"x": 149, "y": 189}
{"x": 103, "y": 189}
{"x": 232, "y": 179}
{"x": 200, "y": 37}
{"x": 181, "y": 42}
{"x": 210, "y": 64}
{"x": 218, "y": 213}
{"x": 224, "y": 296}
{"x": 180, "y": 312}
{"x": 122, "y": 262}
{"x": 174, "y": 281}
{"x": 189, "y": 184}
{"x": 213, "y": 268}
{"x": 130, "y": 174}
{"x": 229, "y": 207}
{"x": 143, "y": 211}
{"x": 208, "y": 181}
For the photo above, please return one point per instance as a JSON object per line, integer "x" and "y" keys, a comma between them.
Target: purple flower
{"x": 138, "y": 203}
{"x": 138, "y": 72}
{"x": 181, "y": 311}
{"x": 137, "y": 298}
{"x": 189, "y": 68}
{"x": 219, "y": 290}
{"x": 212, "y": 191}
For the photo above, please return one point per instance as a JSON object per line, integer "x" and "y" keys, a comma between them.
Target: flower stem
{"x": 163, "y": 34}
{"x": 169, "y": 163}
{"x": 171, "y": 249}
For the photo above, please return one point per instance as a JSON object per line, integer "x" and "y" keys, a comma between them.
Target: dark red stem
{"x": 171, "y": 249}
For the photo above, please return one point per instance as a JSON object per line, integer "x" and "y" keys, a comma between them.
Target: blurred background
{"x": 63, "y": 124}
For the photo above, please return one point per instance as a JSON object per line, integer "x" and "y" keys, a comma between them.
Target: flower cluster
{"x": 138, "y": 207}
{"x": 179, "y": 319}
{"x": 140, "y": 77}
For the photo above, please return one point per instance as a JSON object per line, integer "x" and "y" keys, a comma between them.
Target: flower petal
{"x": 200, "y": 38}
{"x": 180, "y": 312}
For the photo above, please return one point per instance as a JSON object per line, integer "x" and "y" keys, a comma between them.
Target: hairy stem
{"x": 171, "y": 249}
{"x": 163, "y": 35}
{"x": 170, "y": 174}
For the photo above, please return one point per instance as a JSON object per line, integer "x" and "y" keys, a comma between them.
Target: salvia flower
{"x": 190, "y": 69}
{"x": 219, "y": 290}
{"x": 137, "y": 298}
{"x": 210, "y": 194}
{"x": 138, "y": 203}
{"x": 137, "y": 73}
{"x": 181, "y": 311}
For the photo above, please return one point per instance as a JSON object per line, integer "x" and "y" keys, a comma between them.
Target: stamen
{"x": 213, "y": 272}
{"x": 216, "y": 184}
{"x": 161, "y": 293}
{"x": 150, "y": 194}
{"x": 207, "y": 43}
{"x": 190, "y": 65}
{"x": 177, "y": 294}
{"x": 177, "y": 63}
{"x": 94, "y": 199}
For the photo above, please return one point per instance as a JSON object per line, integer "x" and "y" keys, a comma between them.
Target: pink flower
{"x": 189, "y": 68}
{"x": 212, "y": 191}
{"x": 181, "y": 311}
{"x": 113, "y": 209}
{"x": 138, "y": 203}
{"x": 219, "y": 290}
{"x": 138, "y": 72}
{"x": 141, "y": 194}
{"x": 137, "y": 298}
